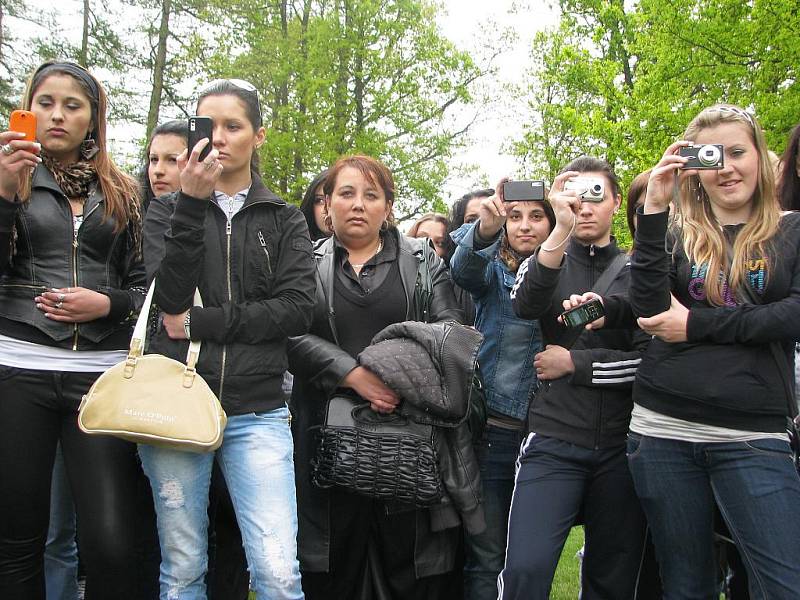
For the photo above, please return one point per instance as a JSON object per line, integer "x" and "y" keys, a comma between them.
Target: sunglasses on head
{"x": 243, "y": 85}
{"x": 735, "y": 111}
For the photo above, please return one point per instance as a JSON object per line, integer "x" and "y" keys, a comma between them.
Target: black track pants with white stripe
{"x": 557, "y": 485}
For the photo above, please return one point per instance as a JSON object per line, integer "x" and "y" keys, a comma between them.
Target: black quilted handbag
{"x": 382, "y": 456}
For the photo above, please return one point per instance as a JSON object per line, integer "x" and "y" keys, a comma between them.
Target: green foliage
{"x": 366, "y": 76}
{"x": 622, "y": 81}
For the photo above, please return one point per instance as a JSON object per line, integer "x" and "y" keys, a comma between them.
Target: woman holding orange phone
{"x": 71, "y": 280}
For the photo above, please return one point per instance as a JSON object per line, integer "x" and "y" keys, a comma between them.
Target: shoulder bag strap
{"x": 424, "y": 287}
{"x": 601, "y": 287}
{"x": 139, "y": 336}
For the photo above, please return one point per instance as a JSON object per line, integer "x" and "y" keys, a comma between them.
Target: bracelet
{"x": 561, "y": 243}
{"x": 186, "y": 322}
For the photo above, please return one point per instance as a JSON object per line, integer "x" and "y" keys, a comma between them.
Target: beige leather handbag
{"x": 152, "y": 399}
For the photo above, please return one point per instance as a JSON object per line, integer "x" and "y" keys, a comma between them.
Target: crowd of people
{"x": 663, "y": 427}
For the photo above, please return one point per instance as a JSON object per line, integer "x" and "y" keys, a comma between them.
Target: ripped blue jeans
{"x": 256, "y": 460}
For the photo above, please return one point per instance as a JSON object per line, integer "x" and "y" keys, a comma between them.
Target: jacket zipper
{"x": 230, "y": 299}
{"x": 228, "y": 280}
{"x": 264, "y": 247}
{"x": 75, "y": 235}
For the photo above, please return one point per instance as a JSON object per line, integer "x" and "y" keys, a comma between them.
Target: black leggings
{"x": 37, "y": 408}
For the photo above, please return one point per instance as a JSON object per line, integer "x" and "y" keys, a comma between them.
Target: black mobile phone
{"x": 199, "y": 128}
{"x": 583, "y": 314}
{"x": 523, "y": 191}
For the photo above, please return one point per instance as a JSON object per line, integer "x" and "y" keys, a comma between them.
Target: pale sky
{"x": 465, "y": 22}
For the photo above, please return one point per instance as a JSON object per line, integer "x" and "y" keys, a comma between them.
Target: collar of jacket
{"x": 585, "y": 254}
{"x": 43, "y": 180}
{"x": 410, "y": 254}
{"x": 260, "y": 193}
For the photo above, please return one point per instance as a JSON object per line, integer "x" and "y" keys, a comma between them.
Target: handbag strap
{"x": 139, "y": 336}
{"x": 601, "y": 287}
{"x": 424, "y": 287}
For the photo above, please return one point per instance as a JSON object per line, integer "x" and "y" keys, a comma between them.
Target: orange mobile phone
{"x": 24, "y": 121}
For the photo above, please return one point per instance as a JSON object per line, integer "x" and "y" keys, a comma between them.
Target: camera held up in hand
{"x": 703, "y": 156}
{"x": 590, "y": 189}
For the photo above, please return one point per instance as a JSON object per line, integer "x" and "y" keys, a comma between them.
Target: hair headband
{"x": 74, "y": 69}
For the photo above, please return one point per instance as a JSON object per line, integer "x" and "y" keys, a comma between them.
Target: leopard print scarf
{"x": 75, "y": 180}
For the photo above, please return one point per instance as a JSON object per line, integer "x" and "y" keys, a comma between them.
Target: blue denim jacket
{"x": 506, "y": 356}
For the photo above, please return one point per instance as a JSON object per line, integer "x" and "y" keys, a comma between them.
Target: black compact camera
{"x": 523, "y": 191}
{"x": 703, "y": 156}
{"x": 583, "y": 314}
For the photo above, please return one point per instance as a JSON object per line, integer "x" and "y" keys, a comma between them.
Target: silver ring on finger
{"x": 7, "y": 149}
{"x": 61, "y": 297}
{"x": 59, "y": 303}
{"x": 210, "y": 165}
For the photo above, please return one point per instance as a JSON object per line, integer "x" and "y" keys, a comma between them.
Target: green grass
{"x": 566, "y": 583}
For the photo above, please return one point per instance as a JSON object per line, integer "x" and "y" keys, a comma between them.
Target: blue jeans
{"x": 61, "y": 551}
{"x": 485, "y": 553}
{"x": 757, "y": 490}
{"x": 256, "y": 461}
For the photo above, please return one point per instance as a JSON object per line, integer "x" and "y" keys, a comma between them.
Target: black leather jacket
{"x": 50, "y": 255}
{"x": 319, "y": 365}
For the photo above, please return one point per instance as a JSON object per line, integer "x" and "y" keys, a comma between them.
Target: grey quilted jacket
{"x": 431, "y": 367}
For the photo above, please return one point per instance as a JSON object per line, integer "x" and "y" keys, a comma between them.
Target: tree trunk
{"x": 302, "y": 108}
{"x": 83, "y": 59}
{"x": 158, "y": 68}
{"x": 340, "y": 89}
{"x": 283, "y": 90}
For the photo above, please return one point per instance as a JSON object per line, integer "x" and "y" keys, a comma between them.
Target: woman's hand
{"x": 578, "y": 299}
{"x": 492, "y": 212}
{"x": 669, "y": 325}
{"x": 553, "y": 362}
{"x": 173, "y": 325}
{"x": 73, "y": 305}
{"x": 369, "y": 386}
{"x": 23, "y": 157}
{"x": 660, "y": 186}
{"x": 199, "y": 178}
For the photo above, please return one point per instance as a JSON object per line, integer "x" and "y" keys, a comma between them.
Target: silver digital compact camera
{"x": 590, "y": 189}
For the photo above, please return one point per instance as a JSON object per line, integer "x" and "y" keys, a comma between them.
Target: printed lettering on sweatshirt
{"x": 755, "y": 277}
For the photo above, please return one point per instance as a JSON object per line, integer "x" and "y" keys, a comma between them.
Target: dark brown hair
{"x": 789, "y": 181}
{"x": 637, "y": 190}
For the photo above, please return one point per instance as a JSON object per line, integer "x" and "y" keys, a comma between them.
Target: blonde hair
{"x": 701, "y": 235}
{"x": 434, "y": 217}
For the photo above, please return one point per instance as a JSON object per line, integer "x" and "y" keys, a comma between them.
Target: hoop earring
{"x": 385, "y": 225}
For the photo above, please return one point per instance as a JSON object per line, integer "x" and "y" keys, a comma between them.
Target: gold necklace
{"x": 377, "y": 251}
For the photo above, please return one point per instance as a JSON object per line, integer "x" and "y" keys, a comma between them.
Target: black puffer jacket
{"x": 256, "y": 280}
{"x": 319, "y": 365}
{"x": 49, "y": 255}
{"x": 431, "y": 367}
